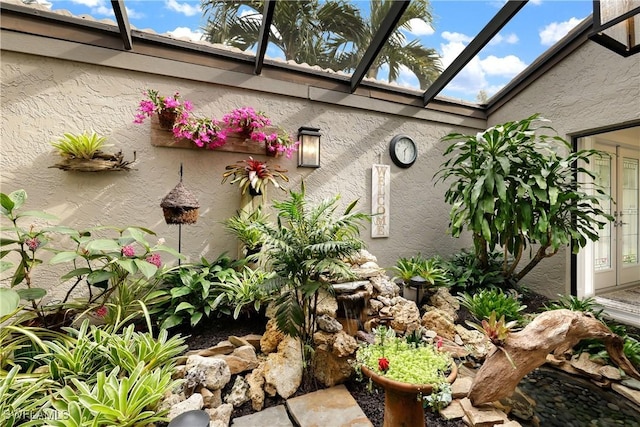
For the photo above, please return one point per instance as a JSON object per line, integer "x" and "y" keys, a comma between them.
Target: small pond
{"x": 568, "y": 401}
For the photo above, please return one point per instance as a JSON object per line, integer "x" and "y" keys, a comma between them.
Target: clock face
{"x": 403, "y": 151}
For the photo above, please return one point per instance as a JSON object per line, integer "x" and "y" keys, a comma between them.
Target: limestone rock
{"x": 271, "y": 337}
{"x": 439, "y": 321}
{"x": 460, "y": 387}
{"x": 444, "y": 301}
{"x": 216, "y": 371}
{"x": 349, "y": 287}
{"x": 237, "y": 341}
{"x": 361, "y": 257}
{"x": 179, "y": 372}
{"x": 330, "y": 369}
{"x": 254, "y": 340}
{"x": 239, "y": 392}
{"x": 193, "y": 402}
{"x": 283, "y": 370}
{"x": 484, "y": 416}
{"x": 241, "y": 360}
{"x": 223, "y": 347}
{"x": 629, "y": 393}
{"x": 344, "y": 345}
{"x": 382, "y": 285}
{"x": 406, "y": 317}
{"x": 255, "y": 380}
{"x": 327, "y": 304}
{"x": 328, "y": 324}
{"x": 211, "y": 399}
{"x": 586, "y": 366}
{"x": 375, "y": 305}
{"x": 171, "y": 399}
{"x": 610, "y": 372}
{"x": 221, "y": 414}
{"x": 324, "y": 340}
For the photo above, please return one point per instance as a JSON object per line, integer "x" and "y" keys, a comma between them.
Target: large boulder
{"x": 283, "y": 369}
{"x": 330, "y": 369}
{"x": 443, "y": 300}
{"x": 439, "y": 321}
{"x": 406, "y": 316}
{"x": 215, "y": 371}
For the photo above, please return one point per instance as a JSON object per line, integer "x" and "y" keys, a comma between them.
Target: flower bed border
{"x": 235, "y": 144}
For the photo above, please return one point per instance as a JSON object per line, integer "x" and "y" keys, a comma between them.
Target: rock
{"x": 327, "y": 304}
{"x": 271, "y": 337}
{"x": 216, "y": 371}
{"x": 171, "y": 399}
{"x": 460, "y": 387}
{"x": 330, "y": 369}
{"x": 237, "y": 341}
{"x": 454, "y": 349}
{"x": 324, "y": 340}
{"x": 586, "y": 366}
{"x": 255, "y": 380}
{"x": 223, "y": 347}
{"x": 179, "y": 372}
{"x": 522, "y": 406}
{"x": 384, "y": 287}
{"x": 193, "y": 402}
{"x": 475, "y": 341}
{"x": 344, "y": 345}
{"x": 328, "y": 324}
{"x": 443, "y": 300}
{"x": 221, "y": 414}
{"x": 406, "y": 317}
{"x": 365, "y": 337}
{"x": 439, "y": 321}
{"x": 211, "y": 399}
{"x": 386, "y": 301}
{"x": 375, "y": 305}
{"x": 453, "y": 411}
{"x": 241, "y": 360}
{"x": 349, "y": 287}
{"x": 283, "y": 370}
{"x": 239, "y": 392}
{"x": 254, "y": 340}
{"x": 629, "y": 393}
{"x": 484, "y": 416}
{"x": 217, "y": 423}
{"x": 270, "y": 311}
{"x": 631, "y": 383}
{"x": 367, "y": 270}
{"x": 610, "y": 372}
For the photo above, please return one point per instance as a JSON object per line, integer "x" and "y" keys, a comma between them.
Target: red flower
{"x": 383, "y": 364}
{"x": 439, "y": 343}
{"x": 101, "y": 311}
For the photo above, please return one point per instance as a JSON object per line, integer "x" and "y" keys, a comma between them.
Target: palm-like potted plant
{"x": 243, "y": 226}
{"x": 254, "y": 175}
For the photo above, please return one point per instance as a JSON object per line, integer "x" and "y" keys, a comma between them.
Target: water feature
{"x": 352, "y": 299}
{"x": 570, "y": 401}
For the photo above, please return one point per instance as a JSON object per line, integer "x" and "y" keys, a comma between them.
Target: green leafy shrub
{"x": 240, "y": 292}
{"x": 432, "y": 270}
{"x": 23, "y": 401}
{"x": 482, "y": 304}
{"x": 190, "y": 288}
{"x": 467, "y": 274}
{"x": 574, "y": 303}
{"x": 242, "y": 226}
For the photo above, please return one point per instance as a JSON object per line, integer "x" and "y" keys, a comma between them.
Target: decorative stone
{"x": 349, "y": 287}
{"x": 241, "y": 360}
{"x": 461, "y": 387}
{"x": 439, "y": 321}
{"x": 383, "y": 286}
{"x": 239, "y": 392}
{"x": 254, "y": 340}
{"x": 586, "y": 366}
{"x": 453, "y": 411}
{"x": 211, "y": 399}
{"x": 522, "y": 406}
{"x": 222, "y": 413}
{"x": 330, "y": 369}
{"x": 328, "y": 324}
{"x": 223, "y": 347}
{"x": 171, "y": 399}
{"x": 482, "y": 416}
{"x": 283, "y": 370}
{"x": 255, "y": 380}
{"x": 324, "y": 340}
{"x": 384, "y": 300}
{"x": 271, "y": 337}
{"x": 632, "y": 395}
{"x": 344, "y": 345}
{"x": 361, "y": 257}
{"x": 193, "y": 402}
{"x": 367, "y": 270}
{"x": 406, "y": 317}
{"x": 237, "y": 341}
{"x": 610, "y": 372}
{"x": 631, "y": 383}
{"x": 179, "y": 372}
{"x": 443, "y": 300}
{"x": 330, "y": 407}
{"x": 375, "y": 305}
{"x": 216, "y": 371}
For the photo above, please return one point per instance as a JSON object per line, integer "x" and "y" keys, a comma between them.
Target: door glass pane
{"x": 602, "y": 248}
{"x": 629, "y": 211}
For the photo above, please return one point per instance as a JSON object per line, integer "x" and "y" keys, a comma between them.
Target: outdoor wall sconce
{"x": 309, "y": 150}
{"x": 616, "y": 25}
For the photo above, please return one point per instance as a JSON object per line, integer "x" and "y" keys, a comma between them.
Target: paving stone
{"x": 276, "y": 416}
{"x": 632, "y": 395}
{"x": 482, "y": 416}
{"x": 333, "y": 407}
{"x": 453, "y": 411}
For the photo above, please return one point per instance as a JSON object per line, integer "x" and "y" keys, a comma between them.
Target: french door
{"x": 616, "y": 260}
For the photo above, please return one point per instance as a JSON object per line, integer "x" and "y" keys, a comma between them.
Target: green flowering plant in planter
{"x": 407, "y": 365}
{"x": 254, "y": 175}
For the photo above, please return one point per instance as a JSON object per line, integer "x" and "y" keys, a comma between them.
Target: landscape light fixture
{"x": 616, "y": 25}
{"x": 309, "y": 149}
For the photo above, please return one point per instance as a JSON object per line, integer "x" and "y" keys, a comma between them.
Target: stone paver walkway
{"x": 332, "y": 407}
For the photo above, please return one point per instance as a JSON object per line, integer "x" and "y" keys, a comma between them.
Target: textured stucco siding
{"x": 590, "y": 89}
{"x": 44, "y": 97}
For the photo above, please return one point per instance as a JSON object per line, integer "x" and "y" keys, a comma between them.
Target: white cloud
{"x": 89, "y": 3}
{"x": 184, "y": 8}
{"x": 508, "y": 66}
{"x": 456, "y": 37}
{"x": 44, "y": 3}
{"x": 557, "y": 30}
{"x": 98, "y": 7}
{"x": 508, "y": 39}
{"x": 420, "y": 28}
{"x": 184, "y": 32}
{"x": 134, "y": 14}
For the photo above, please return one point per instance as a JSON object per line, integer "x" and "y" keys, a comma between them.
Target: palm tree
{"x": 300, "y": 29}
{"x": 397, "y": 52}
{"x": 332, "y": 34}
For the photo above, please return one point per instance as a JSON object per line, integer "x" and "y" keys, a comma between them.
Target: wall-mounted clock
{"x": 403, "y": 150}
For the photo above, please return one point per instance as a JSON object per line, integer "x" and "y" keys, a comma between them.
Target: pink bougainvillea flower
{"x": 33, "y": 243}
{"x": 154, "y": 259}
{"x": 101, "y": 311}
{"x": 128, "y": 251}
{"x": 383, "y": 364}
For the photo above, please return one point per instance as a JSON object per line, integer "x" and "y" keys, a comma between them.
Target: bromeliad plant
{"x": 512, "y": 189}
{"x": 254, "y": 175}
{"x": 81, "y": 146}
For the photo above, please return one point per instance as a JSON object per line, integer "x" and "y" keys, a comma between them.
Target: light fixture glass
{"x": 616, "y": 25}
{"x": 309, "y": 149}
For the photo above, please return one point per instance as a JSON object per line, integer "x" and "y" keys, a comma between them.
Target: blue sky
{"x": 533, "y": 30}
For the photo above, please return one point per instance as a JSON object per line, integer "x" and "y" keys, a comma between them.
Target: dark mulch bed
{"x": 370, "y": 400}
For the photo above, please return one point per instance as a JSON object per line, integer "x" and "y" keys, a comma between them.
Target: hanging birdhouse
{"x": 180, "y": 206}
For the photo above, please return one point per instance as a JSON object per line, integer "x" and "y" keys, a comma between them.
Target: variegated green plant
{"x": 79, "y": 146}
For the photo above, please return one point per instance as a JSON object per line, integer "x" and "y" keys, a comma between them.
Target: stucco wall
{"x": 590, "y": 89}
{"x": 44, "y": 97}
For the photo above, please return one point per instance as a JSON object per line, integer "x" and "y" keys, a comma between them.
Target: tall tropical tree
{"x": 397, "y": 52}
{"x": 332, "y": 34}
{"x": 300, "y": 29}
